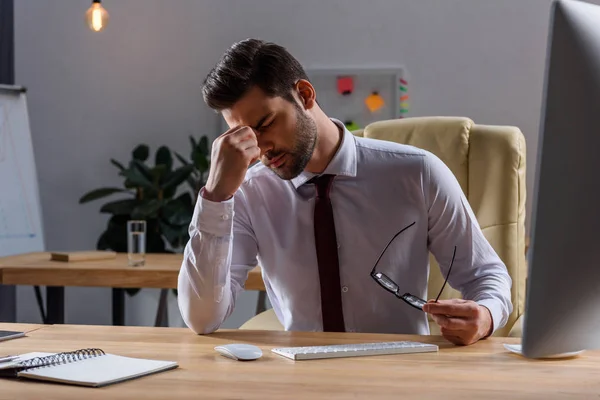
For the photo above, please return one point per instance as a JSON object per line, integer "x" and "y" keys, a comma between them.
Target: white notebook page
{"x": 99, "y": 371}
{"x": 23, "y": 357}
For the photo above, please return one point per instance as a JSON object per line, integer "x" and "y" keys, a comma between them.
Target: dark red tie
{"x": 327, "y": 257}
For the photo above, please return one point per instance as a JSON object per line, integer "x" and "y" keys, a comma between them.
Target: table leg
{"x": 8, "y": 309}
{"x": 55, "y": 304}
{"x": 118, "y": 307}
{"x": 261, "y": 304}
{"x": 162, "y": 313}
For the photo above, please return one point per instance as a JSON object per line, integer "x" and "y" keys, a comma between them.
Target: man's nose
{"x": 265, "y": 146}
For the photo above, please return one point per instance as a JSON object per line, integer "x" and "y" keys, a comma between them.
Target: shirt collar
{"x": 342, "y": 163}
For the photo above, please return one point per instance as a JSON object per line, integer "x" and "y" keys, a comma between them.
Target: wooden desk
{"x": 481, "y": 371}
{"x": 27, "y": 328}
{"x": 160, "y": 271}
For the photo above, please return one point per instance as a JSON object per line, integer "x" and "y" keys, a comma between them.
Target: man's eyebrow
{"x": 262, "y": 121}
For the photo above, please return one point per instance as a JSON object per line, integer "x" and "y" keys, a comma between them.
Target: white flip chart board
{"x": 20, "y": 211}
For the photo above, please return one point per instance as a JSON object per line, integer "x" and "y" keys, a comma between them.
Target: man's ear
{"x": 306, "y": 93}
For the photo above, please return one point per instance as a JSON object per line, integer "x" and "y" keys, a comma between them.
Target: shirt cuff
{"x": 495, "y": 311}
{"x": 212, "y": 217}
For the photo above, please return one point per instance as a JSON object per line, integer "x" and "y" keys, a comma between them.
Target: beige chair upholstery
{"x": 489, "y": 163}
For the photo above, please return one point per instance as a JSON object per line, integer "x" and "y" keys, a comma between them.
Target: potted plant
{"x": 154, "y": 193}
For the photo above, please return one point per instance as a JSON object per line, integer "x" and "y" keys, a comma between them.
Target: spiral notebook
{"x": 85, "y": 367}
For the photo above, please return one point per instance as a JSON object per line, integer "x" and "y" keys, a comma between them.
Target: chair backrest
{"x": 489, "y": 164}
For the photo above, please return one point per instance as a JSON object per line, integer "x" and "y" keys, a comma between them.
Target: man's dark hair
{"x": 249, "y": 63}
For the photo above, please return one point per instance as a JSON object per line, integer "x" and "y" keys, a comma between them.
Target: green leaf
{"x": 117, "y": 164}
{"x": 155, "y": 242}
{"x": 188, "y": 200}
{"x": 169, "y": 193}
{"x": 99, "y": 193}
{"x": 177, "y": 236}
{"x": 200, "y": 160}
{"x": 193, "y": 142}
{"x": 163, "y": 157}
{"x": 136, "y": 178}
{"x": 119, "y": 207}
{"x": 115, "y": 236}
{"x": 103, "y": 242}
{"x": 203, "y": 146}
{"x": 193, "y": 184}
{"x": 147, "y": 209}
{"x": 142, "y": 168}
{"x": 141, "y": 152}
{"x": 179, "y": 211}
{"x": 159, "y": 173}
{"x": 177, "y": 177}
{"x": 129, "y": 185}
{"x": 181, "y": 159}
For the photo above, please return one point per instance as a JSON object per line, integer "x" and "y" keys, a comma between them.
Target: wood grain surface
{"x": 484, "y": 370}
{"x": 160, "y": 271}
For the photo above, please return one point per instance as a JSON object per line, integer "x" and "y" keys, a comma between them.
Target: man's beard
{"x": 306, "y": 140}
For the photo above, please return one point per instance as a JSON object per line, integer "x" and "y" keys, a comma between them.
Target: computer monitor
{"x": 562, "y": 313}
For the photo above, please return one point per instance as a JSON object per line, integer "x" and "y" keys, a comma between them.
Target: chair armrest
{"x": 517, "y": 328}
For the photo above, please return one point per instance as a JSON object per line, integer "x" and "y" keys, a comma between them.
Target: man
{"x": 317, "y": 250}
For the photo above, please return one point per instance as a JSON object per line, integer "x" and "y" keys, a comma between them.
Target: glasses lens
{"x": 386, "y": 282}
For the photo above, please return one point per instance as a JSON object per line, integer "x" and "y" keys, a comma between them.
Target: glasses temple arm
{"x": 388, "y": 245}
{"x": 447, "y": 276}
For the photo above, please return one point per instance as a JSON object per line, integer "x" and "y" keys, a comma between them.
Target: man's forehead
{"x": 250, "y": 117}
{"x": 251, "y": 108}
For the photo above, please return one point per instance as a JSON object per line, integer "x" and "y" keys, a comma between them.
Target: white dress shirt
{"x": 380, "y": 188}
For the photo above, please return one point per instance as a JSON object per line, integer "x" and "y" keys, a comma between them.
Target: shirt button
{"x": 224, "y": 217}
{"x": 339, "y": 245}
{"x": 345, "y": 289}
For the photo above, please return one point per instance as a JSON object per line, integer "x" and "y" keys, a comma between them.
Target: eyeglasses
{"x": 388, "y": 284}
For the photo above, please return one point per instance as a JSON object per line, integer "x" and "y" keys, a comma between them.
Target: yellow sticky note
{"x": 374, "y": 102}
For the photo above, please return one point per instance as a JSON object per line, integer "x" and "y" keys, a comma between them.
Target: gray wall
{"x": 94, "y": 96}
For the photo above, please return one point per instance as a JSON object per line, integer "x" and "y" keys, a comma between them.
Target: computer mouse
{"x": 240, "y": 351}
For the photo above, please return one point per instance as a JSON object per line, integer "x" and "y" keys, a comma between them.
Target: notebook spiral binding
{"x": 59, "y": 358}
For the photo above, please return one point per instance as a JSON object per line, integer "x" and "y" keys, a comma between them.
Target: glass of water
{"x": 136, "y": 242}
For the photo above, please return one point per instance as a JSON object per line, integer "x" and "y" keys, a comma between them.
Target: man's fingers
{"x": 449, "y": 301}
{"x": 254, "y": 153}
{"x": 467, "y": 309}
{"x": 248, "y": 143}
{"x": 236, "y": 135}
{"x": 242, "y": 134}
{"x": 454, "y": 324}
{"x": 439, "y": 319}
{"x": 233, "y": 130}
{"x": 454, "y": 339}
{"x": 458, "y": 337}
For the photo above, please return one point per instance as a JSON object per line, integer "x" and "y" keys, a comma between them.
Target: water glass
{"x": 136, "y": 242}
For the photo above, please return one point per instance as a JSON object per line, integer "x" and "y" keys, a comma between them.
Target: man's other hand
{"x": 462, "y": 322}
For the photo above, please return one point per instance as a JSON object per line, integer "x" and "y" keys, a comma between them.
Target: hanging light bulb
{"x": 96, "y": 16}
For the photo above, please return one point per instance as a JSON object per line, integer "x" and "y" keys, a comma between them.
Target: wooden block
{"x": 82, "y": 256}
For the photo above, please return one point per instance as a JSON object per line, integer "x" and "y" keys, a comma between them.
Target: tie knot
{"x": 323, "y": 183}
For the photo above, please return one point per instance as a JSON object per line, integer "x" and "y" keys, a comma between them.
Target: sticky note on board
{"x": 351, "y": 126}
{"x": 374, "y": 102}
{"x": 345, "y": 85}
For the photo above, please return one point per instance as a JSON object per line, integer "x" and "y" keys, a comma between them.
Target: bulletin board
{"x": 358, "y": 96}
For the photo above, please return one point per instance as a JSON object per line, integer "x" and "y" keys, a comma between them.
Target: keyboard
{"x": 353, "y": 350}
